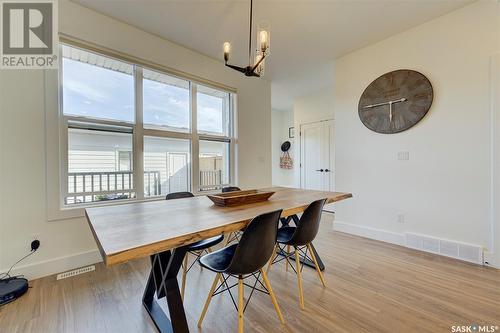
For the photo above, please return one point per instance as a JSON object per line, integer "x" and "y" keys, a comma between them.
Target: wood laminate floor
{"x": 371, "y": 287}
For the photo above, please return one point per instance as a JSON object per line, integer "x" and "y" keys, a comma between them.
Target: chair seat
{"x": 219, "y": 260}
{"x": 285, "y": 234}
{"x": 206, "y": 243}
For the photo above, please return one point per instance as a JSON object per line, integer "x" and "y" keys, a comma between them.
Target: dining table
{"x": 163, "y": 229}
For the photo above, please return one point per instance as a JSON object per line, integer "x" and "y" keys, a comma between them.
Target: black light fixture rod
{"x": 250, "y": 36}
{"x": 249, "y": 70}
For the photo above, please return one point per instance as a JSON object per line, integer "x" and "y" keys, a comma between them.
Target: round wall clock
{"x": 395, "y": 101}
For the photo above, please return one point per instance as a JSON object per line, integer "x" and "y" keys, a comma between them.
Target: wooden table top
{"x": 135, "y": 230}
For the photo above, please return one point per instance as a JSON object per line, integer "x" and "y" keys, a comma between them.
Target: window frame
{"x": 139, "y": 132}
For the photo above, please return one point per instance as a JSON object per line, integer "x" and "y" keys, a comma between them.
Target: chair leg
{"x": 321, "y": 277}
{"x": 286, "y": 259}
{"x": 229, "y": 236}
{"x": 209, "y": 298}
{"x": 184, "y": 273}
{"x": 241, "y": 304}
{"x": 271, "y": 294}
{"x": 272, "y": 258}
{"x": 199, "y": 254}
{"x": 299, "y": 279}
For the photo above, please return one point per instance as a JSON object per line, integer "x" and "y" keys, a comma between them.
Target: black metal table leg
{"x": 163, "y": 281}
{"x": 285, "y": 221}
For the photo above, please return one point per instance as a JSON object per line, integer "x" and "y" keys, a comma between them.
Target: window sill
{"x": 78, "y": 211}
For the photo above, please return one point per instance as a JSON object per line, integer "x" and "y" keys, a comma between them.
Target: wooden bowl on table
{"x": 238, "y": 198}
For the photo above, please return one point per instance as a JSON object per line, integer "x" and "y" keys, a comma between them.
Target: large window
{"x": 213, "y": 111}
{"x": 99, "y": 164}
{"x": 166, "y": 102}
{"x": 214, "y": 164}
{"x": 130, "y": 132}
{"x": 166, "y": 166}
{"x": 97, "y": 87}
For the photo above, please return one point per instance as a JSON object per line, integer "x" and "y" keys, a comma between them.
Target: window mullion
{"x": 89, "y": 120}
{"x": 195, "y": 141}
{"x": 166, "y": 134}
{"x": 214, "y": 138}
{"x": 138, "y": 146}
{"x": 64, "y": 158}
{"x": 233, "y": 176}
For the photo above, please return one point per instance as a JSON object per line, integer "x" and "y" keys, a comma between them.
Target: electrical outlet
{"x": 32, "y": 238}
{"x": 35, "y": 245}
{"x": 401, "y": 218}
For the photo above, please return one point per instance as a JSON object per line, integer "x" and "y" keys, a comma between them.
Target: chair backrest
{"x": 308, "y": 225}
{"x": 230, "y": 189}
{"x": 256, "y": 244}
{"x": 179, "y": 195}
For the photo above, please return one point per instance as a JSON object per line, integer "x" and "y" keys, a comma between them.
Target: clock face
{"x": 395, "y": 101}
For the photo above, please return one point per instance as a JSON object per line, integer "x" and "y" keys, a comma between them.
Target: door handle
{"x": 320, "y": 170}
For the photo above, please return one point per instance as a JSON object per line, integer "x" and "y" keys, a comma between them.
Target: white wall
{"x": 495, "y": 149}
{"x": 23, "y": 212}
{"x": 307, "y": 109}
{"x": 444, "y": 189}
{"x": 281, "y": 122}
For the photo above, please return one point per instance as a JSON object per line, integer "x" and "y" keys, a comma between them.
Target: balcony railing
{"x": 84, "y": 187}
{"x": 152, "y": 183}
{"x": 210, "y": 179}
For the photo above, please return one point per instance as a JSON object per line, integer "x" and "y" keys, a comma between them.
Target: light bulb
{"x": 264, "y": 40}
{"x": 227, "y": 49}
{"x": 260, "y": 68}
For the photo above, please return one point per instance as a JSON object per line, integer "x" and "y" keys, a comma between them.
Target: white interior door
{"x": 316, "y": 155}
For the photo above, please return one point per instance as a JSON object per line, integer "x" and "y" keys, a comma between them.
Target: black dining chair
{"x": 198, "y": 248}
{"x": 300, "y": 237}
{"x": 230, "y": 189}
{"x": 234, "y": 235}
{"x": 243, "y": 260}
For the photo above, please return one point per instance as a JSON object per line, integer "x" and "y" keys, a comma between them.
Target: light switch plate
{"x": 403, "y": 155}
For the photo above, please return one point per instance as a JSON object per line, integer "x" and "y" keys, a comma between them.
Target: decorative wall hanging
{"x": 286, "y": 162}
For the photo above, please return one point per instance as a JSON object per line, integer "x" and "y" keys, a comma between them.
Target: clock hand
{"x": 390, "y": 112}
{"x": 374, "y": 105}
{"x": 390, "y": 106}
{"x": 384, "y": 103}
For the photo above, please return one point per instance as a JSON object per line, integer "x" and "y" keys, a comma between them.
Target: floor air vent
{"x": 74, "y": 272}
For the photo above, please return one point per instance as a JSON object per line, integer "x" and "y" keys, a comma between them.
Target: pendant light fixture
{"x": 255, "y": 65}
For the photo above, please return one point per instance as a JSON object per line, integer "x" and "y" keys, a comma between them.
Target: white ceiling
{"x": 306, "y": 35}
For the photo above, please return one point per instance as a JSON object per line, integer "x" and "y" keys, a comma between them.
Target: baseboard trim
{"x": 398, "y": 239}
{"x": 57, "y": 265}
{"x": 372, "y": 233}
{"x": 490, "y": 260}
